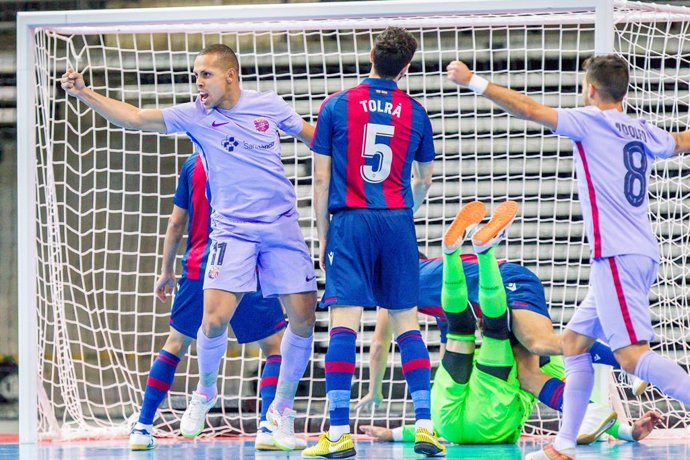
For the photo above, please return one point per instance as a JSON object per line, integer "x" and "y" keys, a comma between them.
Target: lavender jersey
{"x": 613, "y": 159}
{"x": 241, "y": 153}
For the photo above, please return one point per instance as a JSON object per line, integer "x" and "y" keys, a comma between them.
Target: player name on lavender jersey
{"x": 240, "y": 148}
{"x": 613, "y": 155}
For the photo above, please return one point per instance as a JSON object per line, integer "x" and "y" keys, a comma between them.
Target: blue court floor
{"x": 244, "y": 449}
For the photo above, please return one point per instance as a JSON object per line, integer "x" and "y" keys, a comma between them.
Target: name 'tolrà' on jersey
{"x": 373, "y": 132}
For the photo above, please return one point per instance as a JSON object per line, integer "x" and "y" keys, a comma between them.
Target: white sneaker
{"x": 141, "y": 439}
{"x": 194, "y": 417}
{"x": 283, "y": 426}
{"x": 264, "y": 439}
{"x": 597, "y": 420}
{"x": 638, "y": 385}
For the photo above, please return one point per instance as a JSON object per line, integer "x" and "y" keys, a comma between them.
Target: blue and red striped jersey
{"x": 191, "y": 195}
{"x": 373, "y": 132}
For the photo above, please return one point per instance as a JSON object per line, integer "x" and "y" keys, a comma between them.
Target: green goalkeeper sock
{"x": 461, "y": 320}
{"x": 492, "y": 294}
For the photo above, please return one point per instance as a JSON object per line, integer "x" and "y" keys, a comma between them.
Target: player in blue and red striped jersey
{"x": 613, "y": 155}
{"x": 373, "y": 157}
{"x": 256, "y": 318}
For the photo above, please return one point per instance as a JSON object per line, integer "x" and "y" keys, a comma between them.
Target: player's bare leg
{"x": 163, "y": 371}
{"x": 212, "y": 343}
{"x": 296, "y": 350}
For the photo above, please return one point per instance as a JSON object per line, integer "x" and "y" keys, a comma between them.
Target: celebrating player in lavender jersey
{"x": 254, "y": 220}
{"x": 613, "y": 158}
{"x": 373, "y": 165}
{"x": 257, "y": 319}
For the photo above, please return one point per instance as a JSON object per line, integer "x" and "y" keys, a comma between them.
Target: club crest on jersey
{"x": 230, "y": 143}
{"x": 213, "y": 272}
{"x": 261, "y": 124}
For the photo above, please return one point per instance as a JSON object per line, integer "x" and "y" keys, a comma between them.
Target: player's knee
{"x": 304, "y": 323}
{"x": 214, "y": 325}
{"x": 628, "y": 361}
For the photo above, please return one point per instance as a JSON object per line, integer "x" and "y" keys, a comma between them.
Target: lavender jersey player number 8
{"x": 371, "y": 150}
{"x": 635, "y": 186}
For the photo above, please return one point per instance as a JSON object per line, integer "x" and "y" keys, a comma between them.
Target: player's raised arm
{"x": 517, "y": 104}
{"x": 682, "y": 141}
{"x": 117, "y": 112}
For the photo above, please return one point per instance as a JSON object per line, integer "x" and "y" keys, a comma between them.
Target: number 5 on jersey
{"x": 372, "y": 150}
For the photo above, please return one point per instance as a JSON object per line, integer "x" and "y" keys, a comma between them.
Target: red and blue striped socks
{"x": 268, "y": 383}
{"x": 417, "y": 371}
{"x": 340, "y": 367}
{"x": 158, "y": 384}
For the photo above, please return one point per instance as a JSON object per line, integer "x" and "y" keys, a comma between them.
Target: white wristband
{"x": 478, "y": 84}
{"x": 625, "y": 432}
{"x": 398, "y": 434}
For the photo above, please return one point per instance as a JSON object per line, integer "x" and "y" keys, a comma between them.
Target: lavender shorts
{"x": 616, "y": 307}
{"x": 276, "y": 251}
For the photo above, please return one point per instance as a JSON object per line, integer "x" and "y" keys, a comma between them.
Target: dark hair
{"x": 393, "y": 50}
{"x": 609, "y": 74}
{"x": 227, "y": 59}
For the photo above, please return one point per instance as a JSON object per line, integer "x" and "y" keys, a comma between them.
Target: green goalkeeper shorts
{"x": 485, "y": 410}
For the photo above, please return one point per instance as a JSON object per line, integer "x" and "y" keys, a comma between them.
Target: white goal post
{"x": 93, "y": 198}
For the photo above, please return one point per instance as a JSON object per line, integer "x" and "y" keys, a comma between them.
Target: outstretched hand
{"x": 370, "y": 400}
{"x": 459, "y": 73}
{"x": 377, "y": 432}
{"x": 72, "y": 82}
{"x": 644, "y": 425}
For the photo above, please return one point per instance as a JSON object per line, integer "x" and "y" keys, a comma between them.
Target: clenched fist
{"x": 72, "y": 82}
{"x": 459, "y": 73}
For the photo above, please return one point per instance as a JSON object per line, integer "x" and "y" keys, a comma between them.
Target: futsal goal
{"x": 94, "y": 198}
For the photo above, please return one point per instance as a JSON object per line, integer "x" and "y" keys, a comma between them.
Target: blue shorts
{"x": 372, "y": 259}
{"x": 524, "y": 290}
{"x": 255, "y": 318}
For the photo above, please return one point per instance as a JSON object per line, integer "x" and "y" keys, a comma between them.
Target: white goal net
{"x": 103, "y": 194}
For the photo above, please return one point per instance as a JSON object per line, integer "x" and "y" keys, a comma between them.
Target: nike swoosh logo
{"x": 216, "y": 124}
{"x": 310, "y": 278}
{"x": 335, "y": 447}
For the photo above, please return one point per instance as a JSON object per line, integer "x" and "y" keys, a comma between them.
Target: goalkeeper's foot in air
{"x": 492, "y": 233}
{"x": 325, "y": 448}
{"x": 427, "y": 444}
{"x": 193, "y": 419}
{"x": 141, "y": 437}
{"x": 467, "y": 218}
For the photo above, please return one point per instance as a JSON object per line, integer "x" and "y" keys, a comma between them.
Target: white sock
{"x": 337, "y": 431}
{"x": 424, "y": 423}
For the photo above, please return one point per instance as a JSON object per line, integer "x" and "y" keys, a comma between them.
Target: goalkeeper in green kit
{"x": 476, "y": 396}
